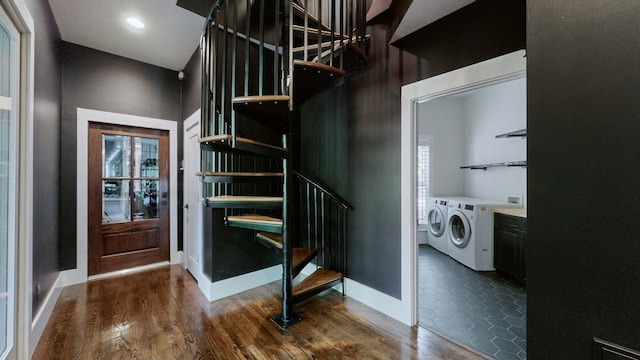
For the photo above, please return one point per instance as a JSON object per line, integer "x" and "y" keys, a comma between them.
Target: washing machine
{"x": 437, "y": 224}
{"x": 470, "y": 232}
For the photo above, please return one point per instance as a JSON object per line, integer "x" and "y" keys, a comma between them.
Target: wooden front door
{"x": 128, "y": 197}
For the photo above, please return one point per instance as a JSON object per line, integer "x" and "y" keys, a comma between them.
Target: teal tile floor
{"x": 480, "y": 310}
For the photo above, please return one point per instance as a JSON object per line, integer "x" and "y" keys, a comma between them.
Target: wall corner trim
{"x": 42, "y": 317}
{"x": 379, "y": 301}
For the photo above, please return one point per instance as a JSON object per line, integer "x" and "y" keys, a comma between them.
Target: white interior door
{"x": 192, "y": 193}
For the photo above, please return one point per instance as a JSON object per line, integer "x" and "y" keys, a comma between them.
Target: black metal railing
{"x": 249, "y": 48}
{"x": 241, "y": 55}
{"x": 321, "y": 222}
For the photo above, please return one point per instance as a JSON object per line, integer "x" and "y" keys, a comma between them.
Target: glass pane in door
{"x": 145, "y": 204}
{"x": 146, "y": 157}
{"x": 116, "y": 156}
{"x": 116, "y": 201}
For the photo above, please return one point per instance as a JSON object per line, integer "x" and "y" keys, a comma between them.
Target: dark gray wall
{"x": 351, "y": 135}
{"x": 192, "y": 85}
{"x": 46, "y": 157}
{"x": 583, "y": 175}
{"x": 100, "y": 81}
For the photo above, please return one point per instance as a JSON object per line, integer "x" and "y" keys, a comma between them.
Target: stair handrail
{"x": 215, "y": 6}
{"x": 325, "y": 189}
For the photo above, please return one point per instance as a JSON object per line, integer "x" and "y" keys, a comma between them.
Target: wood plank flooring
{"x": 161, "y": 314}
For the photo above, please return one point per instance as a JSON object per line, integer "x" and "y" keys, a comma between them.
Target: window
{"x": 423, "y": 183}
{"x": 129, "y": 178}
{"x": 9, "y": 47}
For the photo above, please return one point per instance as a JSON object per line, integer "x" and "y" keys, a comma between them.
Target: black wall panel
{"x": 192, "y": 85}
{"x": 583, "y": 175}
{"x": 351, "y": 135}
{"x": 97, "y": 80}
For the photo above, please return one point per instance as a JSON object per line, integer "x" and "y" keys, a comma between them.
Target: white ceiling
{"x": 172, "y": 33}
{"x": 420, "y": 13}
{"x": 423, "y": 12}
{"x": 169, "y": 39}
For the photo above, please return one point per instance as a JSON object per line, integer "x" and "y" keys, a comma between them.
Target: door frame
{"x": 84, "y": 116}
{"x": 27, "y": 331}
{"x": 154, "y": 231}
{"x": 504, "y": 68}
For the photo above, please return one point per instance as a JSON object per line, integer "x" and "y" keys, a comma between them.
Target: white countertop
{"x": 519, "y": 212}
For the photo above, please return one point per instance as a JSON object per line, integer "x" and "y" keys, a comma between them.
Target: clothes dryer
{"x": 437, "y": 224}
{"x": 470, "y": 232}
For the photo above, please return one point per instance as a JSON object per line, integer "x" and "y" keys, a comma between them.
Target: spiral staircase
{"x": 261, "y": 60}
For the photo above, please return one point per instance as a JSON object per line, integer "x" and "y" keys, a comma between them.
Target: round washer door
{"x": 459, "y": 229}
{"x": 436, "y": 221}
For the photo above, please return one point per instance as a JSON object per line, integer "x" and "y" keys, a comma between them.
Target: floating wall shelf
{"x": 518, "y": 133}
{"x": 502, "y": 164}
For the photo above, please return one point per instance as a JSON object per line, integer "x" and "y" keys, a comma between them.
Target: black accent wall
{"x": 46, "y": 158}
{"x": 192, "y": 85}
{"x": 583, "y": 175}
{"x": 97, "y": 80}
{"x": 351, "y": 134}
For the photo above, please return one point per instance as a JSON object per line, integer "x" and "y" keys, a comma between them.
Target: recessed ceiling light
{"x": 135, "y": 22}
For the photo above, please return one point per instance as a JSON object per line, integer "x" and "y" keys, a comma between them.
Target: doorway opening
{"x": 85, "y": 116}
{"x": 419, "y": 260}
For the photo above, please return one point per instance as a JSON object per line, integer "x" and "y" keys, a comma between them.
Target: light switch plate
{"x": 513, "y": 200}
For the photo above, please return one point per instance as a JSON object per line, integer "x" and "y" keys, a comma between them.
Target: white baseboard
{"x": 39, "y": 321}
{"x": 227, "y": 287}
{"x": 377, "y": 300}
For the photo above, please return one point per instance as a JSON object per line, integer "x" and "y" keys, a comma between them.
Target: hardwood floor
{"x": 161, "y": 314}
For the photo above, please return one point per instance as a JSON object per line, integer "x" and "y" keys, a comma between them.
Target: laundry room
{"x": 463, "y": 130}
{"x": 472, "y": 152}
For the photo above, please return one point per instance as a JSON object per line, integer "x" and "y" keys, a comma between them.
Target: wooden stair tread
{"x": 244, "y": 202}
{"x": 226, "y": 138}
{"x": 353, "y": 56}
{"x": 239, "y": 177}
{"x": 254, "y": 218}
{"x": 248, "y": 174}
{"x": 243, "y": 145}
{"x": 311, "y": 78}
{"x": 314, "y": 48}
{"x": 255, "y": 222}
{"x": 316, "y": 280}
{"x": 298, "y": 31}
{"x": 273, "y": 239}
{"x": 225, "y": 198}
{"x": 300, "y": 257}
{"x": 260, "y": 98}
{"x": 313, "y": 20}
{"x": 311, "y": 65}
{"x": 269, "y": 110}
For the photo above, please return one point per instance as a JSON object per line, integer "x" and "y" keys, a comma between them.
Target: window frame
{"x": 424, "y": 141}
{"x": 13, "y": 105}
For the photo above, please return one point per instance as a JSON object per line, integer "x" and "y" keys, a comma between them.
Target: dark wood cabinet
{"x": 510, "y": 244}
